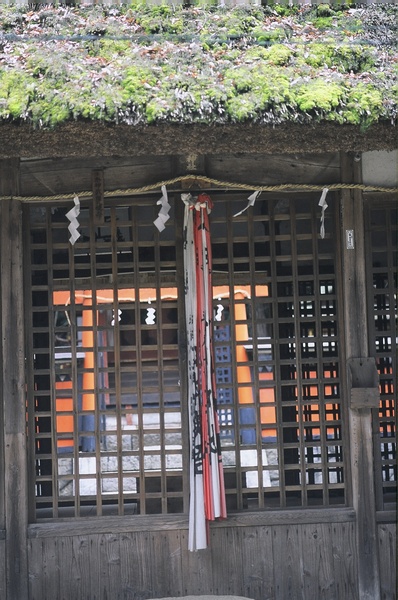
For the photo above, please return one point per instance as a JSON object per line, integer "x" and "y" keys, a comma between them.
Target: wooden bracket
{"x": 364, "y": 383}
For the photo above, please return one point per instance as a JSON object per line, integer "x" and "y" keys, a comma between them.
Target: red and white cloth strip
{"x": 207, "y": 493}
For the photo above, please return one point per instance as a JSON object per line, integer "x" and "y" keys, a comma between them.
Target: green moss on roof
{"x": 145, "y": 65}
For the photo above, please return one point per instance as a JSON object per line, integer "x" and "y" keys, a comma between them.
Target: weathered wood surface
{"x": 2, "y": 565}
{"x": 387, "y": 537}
{"x": 297, "y": 562}
{"x": 361, "y": 440}
{"x": 173, "y": 522}
{"x": 208, "y": 597}
{"x": 49, "y": 177}
{"x": 13, "y": 405}
{"x": 56, "y": 176}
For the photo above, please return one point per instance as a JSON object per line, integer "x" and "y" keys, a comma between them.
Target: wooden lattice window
{"x": 105, "y": 379}
{"x": 382, "y": 236}
{"x": 106, "y": 387}
{"x": 277, "y": 354}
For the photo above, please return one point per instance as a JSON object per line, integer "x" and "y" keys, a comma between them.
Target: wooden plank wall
{"x": 283, "y": 561}
{"x": 308, "y": 561}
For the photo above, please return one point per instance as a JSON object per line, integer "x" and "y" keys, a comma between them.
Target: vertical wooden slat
{"x": 298, "y": 353}
{"x": 118, "y": 374}
{"x": 387, "y": 534}
{"x": 164, "y": 551}
{"x": 52, "y": 377}
{"x": 51, "y": 568}
{"x": 13, "y": 380}
{"x": 355, "y": 312}
{"x": 288, "y": 562}
{"x": 94, "y": 571}
{"x": 80, "y": 555}
{"x": 138, "y": 341}
{"x": 197, "y": 570}
{"x": 93, "y": 307}
{"x": 277, "y": 356}
{"x": 342, "y": 539}
{"x": 29, "y": 377}
{"x": 228, "y": 568}
{"x": 133, "y": 566}
{"x": 318, "y": 563}
{"x": 36, "y": 575}
{"x": 109, "y": 566}
{"x": 75, "y": 380}
{"x": 255, "y": 544}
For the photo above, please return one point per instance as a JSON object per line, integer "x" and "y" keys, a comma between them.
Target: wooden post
{"x": 13, "y": 405}
{"x": 360, "y": 422}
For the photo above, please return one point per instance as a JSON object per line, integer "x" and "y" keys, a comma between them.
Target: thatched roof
{"x": 311, "y": 78}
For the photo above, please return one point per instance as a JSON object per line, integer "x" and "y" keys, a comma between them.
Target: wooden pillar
{"x": 13, "y": 402}
{"x": 360, "y": 422}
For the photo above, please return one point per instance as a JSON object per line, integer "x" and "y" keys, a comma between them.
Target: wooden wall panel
{"x": 387, "y": 536}
{"x": 276, "y": 562}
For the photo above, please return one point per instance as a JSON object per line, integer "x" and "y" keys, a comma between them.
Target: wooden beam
{"x": 356, "y": 346}
{"x": 80, "y": 138}
{"x": 13, "y": 404}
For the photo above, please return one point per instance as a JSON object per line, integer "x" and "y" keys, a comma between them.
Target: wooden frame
{"x": 317, "y": 551}
{"x": 381, "y": 231}
{"x": 282, "y": 431}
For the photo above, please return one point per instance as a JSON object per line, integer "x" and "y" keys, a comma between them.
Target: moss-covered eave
{"x": 169, "y": 66}
{"x": 75, "y": 139}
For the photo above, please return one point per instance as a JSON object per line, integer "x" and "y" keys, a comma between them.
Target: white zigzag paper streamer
{"x": 252, "y": 198}
{"x": 163, "y": 215}
{"x": 74, "y": 223}
{"x": 323, "y": 204}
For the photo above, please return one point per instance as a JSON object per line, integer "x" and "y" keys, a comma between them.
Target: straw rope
{"x": 200, "y": 180}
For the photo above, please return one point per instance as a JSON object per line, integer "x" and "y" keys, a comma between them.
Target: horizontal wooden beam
{"x": 173, "y": 522}
{"x": 97, "y": 139}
